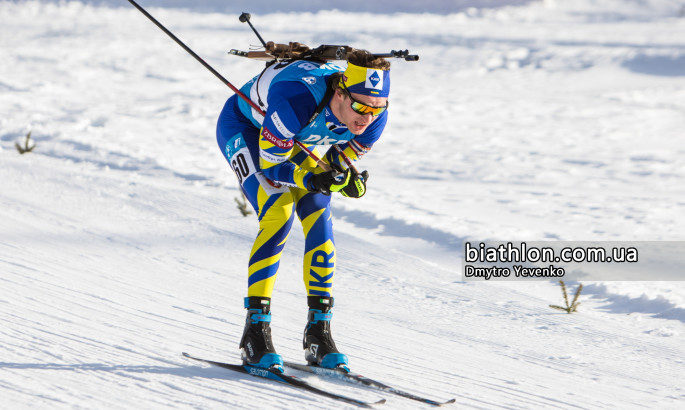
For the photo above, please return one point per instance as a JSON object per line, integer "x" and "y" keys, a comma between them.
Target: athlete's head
{"x": 361, "y": 91}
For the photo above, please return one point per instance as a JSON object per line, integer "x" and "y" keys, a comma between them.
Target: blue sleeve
{"x": 290, "y": 106}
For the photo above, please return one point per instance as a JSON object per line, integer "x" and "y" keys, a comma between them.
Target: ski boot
{"x": 318, "y": 342}
{"x": 256, "y": 347}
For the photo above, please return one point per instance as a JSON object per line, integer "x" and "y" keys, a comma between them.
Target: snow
{"x": 122, "y": 245}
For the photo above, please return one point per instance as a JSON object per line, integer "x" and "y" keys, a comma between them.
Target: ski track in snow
{"x": 122, "y": 246}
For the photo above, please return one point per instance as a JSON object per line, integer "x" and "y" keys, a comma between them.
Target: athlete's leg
{"x": 274, "y": 207}
{"x": 319, "y": 269}
{"x": 314, "y": 211}
{"x": 275, "y": 211}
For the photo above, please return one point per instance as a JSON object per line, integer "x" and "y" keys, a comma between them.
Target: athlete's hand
{"x": 356, "y": 188}
{"x": 329, "y": 181}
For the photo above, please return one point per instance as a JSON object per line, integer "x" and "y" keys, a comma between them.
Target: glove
{"x": 329, "y": 181}
{"x": 356, "y": 188}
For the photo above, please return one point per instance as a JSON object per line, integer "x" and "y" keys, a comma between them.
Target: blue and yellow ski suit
{"x": 274, "y": 173}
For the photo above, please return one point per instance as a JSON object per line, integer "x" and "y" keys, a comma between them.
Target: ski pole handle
{"x": 347, "y": 159}
{"x": 324, "y": 165}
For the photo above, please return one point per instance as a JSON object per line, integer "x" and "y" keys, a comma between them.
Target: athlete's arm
{"x": 290, "y": 105}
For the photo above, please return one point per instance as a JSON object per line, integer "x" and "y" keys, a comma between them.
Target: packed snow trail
{"x": 121, "y": 245}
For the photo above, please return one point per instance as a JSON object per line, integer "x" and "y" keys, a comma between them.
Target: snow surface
{"x": 122, "y": 245}
{"x": 265, "y": 7}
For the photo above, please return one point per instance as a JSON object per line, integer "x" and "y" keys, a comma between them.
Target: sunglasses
{"x": 363, "y": 109}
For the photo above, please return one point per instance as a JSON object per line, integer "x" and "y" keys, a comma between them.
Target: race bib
{"x": 239, "y": 157}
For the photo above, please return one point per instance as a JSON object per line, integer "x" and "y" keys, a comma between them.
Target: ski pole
{"x": 318, "y": 160}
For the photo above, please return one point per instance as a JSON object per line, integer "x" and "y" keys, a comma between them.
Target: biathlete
{"x": 280, "y": 180}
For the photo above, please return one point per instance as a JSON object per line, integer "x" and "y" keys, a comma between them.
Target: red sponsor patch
{"x": 284, "y": 144}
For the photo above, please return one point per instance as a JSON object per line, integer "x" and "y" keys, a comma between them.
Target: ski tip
{"x": 447, "y": 402}
{"x": 190, "y": 356}
{"x": 375, "y": 403}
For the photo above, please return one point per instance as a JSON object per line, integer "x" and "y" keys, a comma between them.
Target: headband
{"x": 366, "y": 81}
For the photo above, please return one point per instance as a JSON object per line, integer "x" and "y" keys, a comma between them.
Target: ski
{"x": 293, "y": 381}
{"x": 358, "y": 378}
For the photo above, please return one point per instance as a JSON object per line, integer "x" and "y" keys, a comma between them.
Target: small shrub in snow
{"x": 573, "y": 307}
{"x": 28, "y": 145}
{"x": 242, "y": 206}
